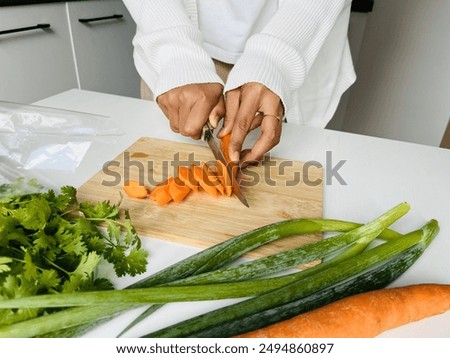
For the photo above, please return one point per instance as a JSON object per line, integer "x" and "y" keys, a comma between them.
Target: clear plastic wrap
{"x": 36, "y": 141}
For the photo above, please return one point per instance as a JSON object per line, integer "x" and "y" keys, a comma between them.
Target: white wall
{"x": 403, "y": 86}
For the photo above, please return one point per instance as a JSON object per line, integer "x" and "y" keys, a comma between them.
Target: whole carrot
{"x": 364, "y": 315}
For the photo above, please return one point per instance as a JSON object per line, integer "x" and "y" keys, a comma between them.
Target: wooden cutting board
{"x": 275, "y": 191}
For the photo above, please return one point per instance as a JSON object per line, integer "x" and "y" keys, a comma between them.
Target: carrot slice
{"x": 154, "y": 192}
{"x": 178, "y": 190}
{"x": 160, "y": 193}
{"x": 202, "y": 177}
{"x": 212, "y": 176}
{"x": 224, "y": 177}
{"x": 225, "y": 145}
{"x": 135, "y": 190}
{"x": 163, "y": 197}
{"x": 187, "y": 176}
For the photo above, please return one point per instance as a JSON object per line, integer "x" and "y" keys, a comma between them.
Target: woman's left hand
{"x": 248, "y": 107}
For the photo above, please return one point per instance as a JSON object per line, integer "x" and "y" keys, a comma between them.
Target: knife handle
{"x": 207, "y": 131}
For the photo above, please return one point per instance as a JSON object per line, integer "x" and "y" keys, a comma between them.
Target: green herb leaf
{"x": 50, "y": 244}
{"x": 4, "y": 261}
{"x": 101, "y": 210}
{"x": 34, "y": 214}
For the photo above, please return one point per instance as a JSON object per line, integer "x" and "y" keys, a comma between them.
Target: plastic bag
{"x": 36, "y": 141}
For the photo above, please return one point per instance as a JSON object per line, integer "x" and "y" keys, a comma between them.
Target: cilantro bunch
{"x": 51, "y": 243}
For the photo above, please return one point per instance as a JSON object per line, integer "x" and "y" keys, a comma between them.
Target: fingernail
{"x": 222, "y": 132}
{"x": 214, "y": 120}
{"x": 234, "y": 156}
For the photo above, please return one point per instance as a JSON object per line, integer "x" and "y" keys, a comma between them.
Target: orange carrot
{"x": 187, "y": 176}
{"x": 202, "y": 177}
{"x": 135, "y": 190}
{"x": 225, "y": 145}
{"x": 364, "y": 315}
{"x": 225, "y": 179}
{"x": 161, "y": 194}
{"x": 212, "y": 176}
{"x": 153, "y": 193}
{"x": 178, "y": 190}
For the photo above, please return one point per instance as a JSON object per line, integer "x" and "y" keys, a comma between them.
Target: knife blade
{"x": 208, "y": 137}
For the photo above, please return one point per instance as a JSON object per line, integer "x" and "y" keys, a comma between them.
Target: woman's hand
{"x": 248, "y": 107}
{"x": 189, "y": 107}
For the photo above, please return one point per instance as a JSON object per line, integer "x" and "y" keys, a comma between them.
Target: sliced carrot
{"x": 160, "y": 193}
{"x": 363, "y": 315}
{"x": 163, "y": 197}
{"x": 225, "y": 145}
{"x": 202, "y": 177}
{"x": 132, "y": 182}
{"x": 224, "y": 177}
{"x": 154, "y": 192}
{"x": 187, "y": 176}
{"x": 135, "y": 190}
{"x": 212, "y": 176}
{"x": 178, "y": 190}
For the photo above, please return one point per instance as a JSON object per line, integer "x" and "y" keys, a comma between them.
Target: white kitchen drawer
{"x": 103, "y": 48}
{"x": 37, "y": 63}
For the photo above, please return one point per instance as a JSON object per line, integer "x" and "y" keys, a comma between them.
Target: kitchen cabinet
{"x": 39, "y": 62}
{"x": 102, "y": 34}
{"x": 65, "y": 53}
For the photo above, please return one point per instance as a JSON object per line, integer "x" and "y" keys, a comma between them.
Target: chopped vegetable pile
{"x": 213, "y": 180}
{"x": 50, "y": 244}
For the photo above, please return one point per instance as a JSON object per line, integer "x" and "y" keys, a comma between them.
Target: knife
{"x": 208, "y": 137}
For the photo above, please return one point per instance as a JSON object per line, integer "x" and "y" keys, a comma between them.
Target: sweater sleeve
{"x": 168, "y": 49}
{"x": 281, "y": 55}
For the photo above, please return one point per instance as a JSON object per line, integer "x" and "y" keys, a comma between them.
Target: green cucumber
{"x": 376, "y": 278}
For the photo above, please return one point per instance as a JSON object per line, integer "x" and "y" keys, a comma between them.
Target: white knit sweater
{"x": 301, "y": 53}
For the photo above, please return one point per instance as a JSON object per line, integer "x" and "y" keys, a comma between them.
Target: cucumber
{"x": 377, "y": 278}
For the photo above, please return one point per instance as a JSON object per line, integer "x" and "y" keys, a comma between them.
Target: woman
{"x": 253, "y": 63}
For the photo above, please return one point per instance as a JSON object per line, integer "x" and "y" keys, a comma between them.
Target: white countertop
{"x": 379, "y": 174}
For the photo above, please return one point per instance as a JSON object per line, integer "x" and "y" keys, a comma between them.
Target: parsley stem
{"x": 34, "y": 264}
{"x": 65, "y": 213}
{"x": 51, "y": 263}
